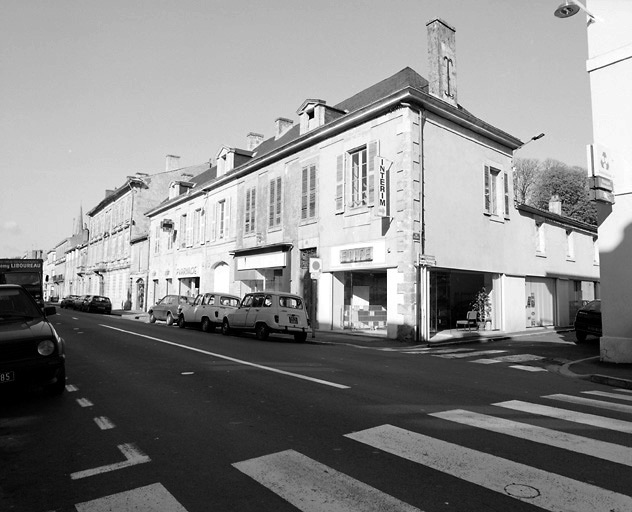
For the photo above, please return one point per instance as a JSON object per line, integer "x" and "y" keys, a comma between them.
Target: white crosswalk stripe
{"x": 564, "y": 414}
{"x": 600, "y": 449}
{"x": 608, "y": 395}
{"x": 580, "y": 400}
{"x": 546, "y": 490}
{"x": 468, "y": 354}
{"x": 313, "y": 487}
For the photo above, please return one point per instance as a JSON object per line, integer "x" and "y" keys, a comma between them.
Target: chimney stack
{"x": 555, "y": 204}
{"x": 254, "y": 139}
{"x": 442, "y": 61}
{"x": 172, "y": 162}
{"x": 282, "y": 125}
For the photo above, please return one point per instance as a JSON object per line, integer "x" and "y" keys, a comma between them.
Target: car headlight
{"x": 46, "y": 348}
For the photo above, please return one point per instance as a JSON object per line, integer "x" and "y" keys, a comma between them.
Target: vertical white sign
{"x": 382, "y": 168}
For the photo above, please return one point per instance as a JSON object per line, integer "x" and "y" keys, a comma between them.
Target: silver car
{"x": 207, "y": 310}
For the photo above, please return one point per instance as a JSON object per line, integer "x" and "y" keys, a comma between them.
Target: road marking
{"x": 623, "y": 390}
{"x": 469, "y": 354}
{"x": 528, "y": 368}
{"x": 238, "y": 361}
{"x": 151, "y": 498}
{"x": 133, "y": 456}
{"x": 313, "y": 487}
{"x": 84, "y": 402}
{"x": 519, "y": 358}
{"x": 565, "y": 414}
{"x": 593, "y": 403}
{"x": 485, "y": 361}
{"x": 524, "y": 483}
{"x": 608, "y": 395}
{"x": 104, "y": 423}
{"x": 71, "y": 388}
{"x": 584, "y": 445}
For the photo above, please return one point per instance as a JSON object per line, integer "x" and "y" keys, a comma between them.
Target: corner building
{"x": 403, "y": 199}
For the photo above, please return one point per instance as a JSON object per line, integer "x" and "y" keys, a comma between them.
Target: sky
{"x": 92, "y": 92}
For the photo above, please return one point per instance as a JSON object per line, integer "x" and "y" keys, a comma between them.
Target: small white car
{"x": 207, "y": 310}
{"x": 269, "y": 312}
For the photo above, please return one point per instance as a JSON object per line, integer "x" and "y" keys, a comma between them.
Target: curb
{"x": 610, "y": 381}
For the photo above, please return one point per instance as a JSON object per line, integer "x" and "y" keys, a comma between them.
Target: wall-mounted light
{"x": 570, "y": 8}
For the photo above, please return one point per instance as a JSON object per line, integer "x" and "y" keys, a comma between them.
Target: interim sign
{"x": 382, "y": 166}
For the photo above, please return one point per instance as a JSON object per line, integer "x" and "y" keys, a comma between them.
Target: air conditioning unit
{"x": 315, "y": 265}
{"x": 166, "y": 224}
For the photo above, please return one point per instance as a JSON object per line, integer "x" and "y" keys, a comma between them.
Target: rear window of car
{"x": 593, "y": 306}
{"x": 290, "y": 302}
{"x": 100, "y": 299}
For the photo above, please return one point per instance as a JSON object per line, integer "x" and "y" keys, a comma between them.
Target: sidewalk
{"x": 618, "y": 375}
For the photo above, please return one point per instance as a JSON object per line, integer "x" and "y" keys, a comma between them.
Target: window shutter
{"x": 272, "y": 205}
{"x": 279, "y": 201}
{"x": 253, "y": 206}
{"x": 227, "y": 217}
{"x": 506, "y": 180}
{"x": 340, "y": 184}
{"x": 488, "y": 203}
{"x": 212, "y": 234}
{"x": 371, "y": 154}
{"x": 304, "y": 192}
{"x": 247, "y": 211}
{"x": 312, "y": 191}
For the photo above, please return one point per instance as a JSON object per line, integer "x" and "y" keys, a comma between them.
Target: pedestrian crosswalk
{"x": 311, "y": 486}
{"x": 473, "y": 355}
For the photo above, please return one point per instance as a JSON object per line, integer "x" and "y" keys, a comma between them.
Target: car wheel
{"x": 225, "y": 327}
{"x": 58, "y": 387}
{"x": 170, "y": 320}
{"x": 300, "y": 337}
{"x": 181, "y": 323}
{"x": 152, "y": 318}
{"x": 262, "y": 332}
{"x": 207, "y": 325}
{"x": 581, "y": 337}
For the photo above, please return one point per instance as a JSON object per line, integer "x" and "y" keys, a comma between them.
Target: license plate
{"x": 7, "y": 377}
{"x": 293, "y": 319}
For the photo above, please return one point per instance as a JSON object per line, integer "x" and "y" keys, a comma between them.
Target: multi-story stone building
{"x": 399, "y": 199}
{"x": 118, "y": 230}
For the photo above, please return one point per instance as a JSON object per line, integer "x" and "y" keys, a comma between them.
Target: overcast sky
{"x": 94, "y": 91}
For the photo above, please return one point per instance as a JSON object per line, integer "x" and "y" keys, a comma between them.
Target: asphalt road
{"x": 165, "y": 419}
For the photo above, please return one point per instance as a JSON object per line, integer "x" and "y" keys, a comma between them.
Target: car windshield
{"x": 16, "y": 304}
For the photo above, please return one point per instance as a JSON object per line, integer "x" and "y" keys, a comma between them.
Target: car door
{"x": 254, "y": 311}
{"x": 238, "y": 317}
{"x": 201, "y": 306}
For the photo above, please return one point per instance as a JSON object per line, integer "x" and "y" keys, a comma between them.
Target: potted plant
{"x": 482, "y": 304}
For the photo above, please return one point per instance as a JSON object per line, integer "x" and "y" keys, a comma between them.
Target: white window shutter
{"x": 340, "y": 184}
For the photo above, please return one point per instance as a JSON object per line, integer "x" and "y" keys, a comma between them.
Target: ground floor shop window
{"x": 451, "y": 296}
{"x": 365, "y": 300}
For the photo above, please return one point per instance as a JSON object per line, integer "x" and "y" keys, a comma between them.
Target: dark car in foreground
{"x": 31, "y": 351}
{"x": 97, "y": 304}
{"x": 588, "y": 321}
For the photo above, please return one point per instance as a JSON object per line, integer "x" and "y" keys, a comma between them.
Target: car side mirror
{"x": 50, "y": 310}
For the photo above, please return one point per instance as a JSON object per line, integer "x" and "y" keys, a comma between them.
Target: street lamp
{"x": 535, "y": 137}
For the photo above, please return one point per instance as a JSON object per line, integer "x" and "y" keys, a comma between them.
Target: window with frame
{"x": 197, "y": 215}
{"x": 497, "y": 197}
{"x": 355, "y": 178}
{"x": 182, "y": 232}
{"x": 249, "y": 211}
{"x": 157, "y": 240}
{"x": 540, "y": 238}
{"x": 570, "y": 245}
{"x": 276, "y": 201}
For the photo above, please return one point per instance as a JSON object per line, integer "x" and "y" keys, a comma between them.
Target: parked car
{"x": 78, "y": 302}
{"x": 207, "y": 310}
{"x": 588, "y": 321}
{"x": 167, "y": 308}
{"x": 269, "y": 312}
{"x": 68, "y": 301}
{"x": 97, "y": 303}
{"x": 31, "y": 351}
